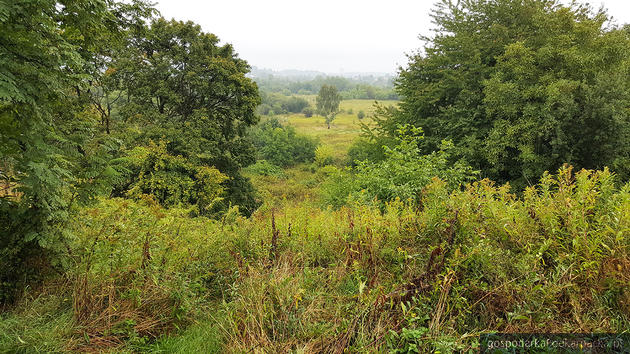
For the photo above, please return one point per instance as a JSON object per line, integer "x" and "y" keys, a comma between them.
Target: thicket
{"x": 520, "y": 87}
{"x": 281, "y": 145}
{"x": 273, "y": 103}
{"x": 402, "y": 174}
{"x": 124, "y": 137}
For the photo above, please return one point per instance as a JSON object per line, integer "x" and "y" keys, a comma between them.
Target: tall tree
{"x": 520, "y": 87}
{"x": 328, "y": 101}
{"x": 185, "y": 88}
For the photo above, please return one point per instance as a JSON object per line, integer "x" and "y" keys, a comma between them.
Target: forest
{"x": 158, "y": 194}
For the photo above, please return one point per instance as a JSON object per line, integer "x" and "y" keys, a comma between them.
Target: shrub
{"x": 295, "y": 104}
{"x": 361, "y": 115}
{"x": 281, "y": 145}
{"x": 324, "y": 155}
{"x": 364, "y": 150}
{"x": 264, "y": 109}
{"x": 265, "y": 168}
{"x": 399, "y": 277}
{"x": 405, "y": 172}
{"x": 171, "y": 180}
{"x": 308, "y": 112}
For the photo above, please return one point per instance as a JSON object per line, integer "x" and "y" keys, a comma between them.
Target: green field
{"x": 343, "y": 130}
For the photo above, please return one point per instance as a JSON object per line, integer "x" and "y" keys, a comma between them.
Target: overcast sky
{"x": 325, "y": 35}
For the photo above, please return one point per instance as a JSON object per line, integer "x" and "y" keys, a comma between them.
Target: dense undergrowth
{"x": 410, "y": 276}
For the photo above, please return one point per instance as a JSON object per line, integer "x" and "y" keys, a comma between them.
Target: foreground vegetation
{"x": 430, "y": 276}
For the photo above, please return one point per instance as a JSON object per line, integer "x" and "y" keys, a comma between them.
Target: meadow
{"x": 344, "y": 129}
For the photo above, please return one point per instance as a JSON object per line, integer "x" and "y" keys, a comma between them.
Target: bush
{"x": 170, "y": 180}
{"x": 405, "y": 172}
{"x": 364, "y": 150}
{"x": 324, "y": 155}
{"x": 295, "y": 104}
{"x": 265, "y": 109}
{"x": 398, "y": 276}
{"x": 281, "y": 145}
{"x": 281, "y": 104}
{"x": 265, "y": 168}
{"x": 361, "y": 115}
{"x": 308, "y": 112}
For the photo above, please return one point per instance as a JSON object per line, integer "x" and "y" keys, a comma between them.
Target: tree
{"x": 328, "y": 101}
{"x": 49, "y": 150}
{"x": 282, "y": 145}
{"x": 295, "y": 104}
{"x": 520, "y": 87}
{"x": 185, "y": 88}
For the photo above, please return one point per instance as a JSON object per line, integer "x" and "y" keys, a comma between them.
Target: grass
{"x": 298, "y": 183}
{"x": 38, "y": 324}
{"x": 302, "y": 182}
{"x": 205, "y": 337}
{"x": 298, "y": 278}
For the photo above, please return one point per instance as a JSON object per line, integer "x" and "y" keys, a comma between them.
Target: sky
{"x": 332, "y": 36}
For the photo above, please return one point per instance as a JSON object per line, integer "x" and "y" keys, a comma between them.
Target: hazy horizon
{"x": 333, "y": 37}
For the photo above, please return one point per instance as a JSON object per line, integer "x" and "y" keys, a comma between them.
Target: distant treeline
{"x": 277, "y": 103}
{"x": 362, "y": 87}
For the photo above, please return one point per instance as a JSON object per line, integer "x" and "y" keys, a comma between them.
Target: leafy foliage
{"x": 273, "y": 103}
{"x": 361, "y": 87}
{"x": 328, "y": 103}
{"x": 120, "y": 138}
{"x": 520, "y": 87}
{"x": 402, "y": 174}
{"x": 85, "y": 82}
{"x": 185, "y": 88}
{"x": 171, "y": 180}
{"x": 281, "y": 145}
{"x": 308, "y": 112}
{"x": 324, "y": 156}
{"x": 265, "y": 168}
{"x": 430, "y": 277}
{"x": 49, "y": 156}
{"x": 364, "y": 150}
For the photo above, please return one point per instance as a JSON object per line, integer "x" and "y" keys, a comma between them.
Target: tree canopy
{"x": 185, "y": 88}
{"x": 101, "y": 98}
{"x": 520, "y": 87}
